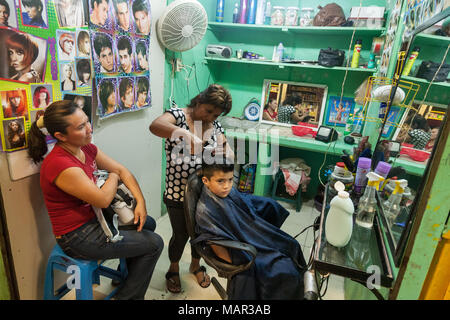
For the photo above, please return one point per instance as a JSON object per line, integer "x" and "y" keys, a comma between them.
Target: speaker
{"x": 218, "y": 51}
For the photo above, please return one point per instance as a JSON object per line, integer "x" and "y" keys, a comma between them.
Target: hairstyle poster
{"x": 34, "y": 13}
{"x": 339, "y": 110}
{"x": 71, "y": 13}
{"x": 25, "y": 56}
{"x": 14, "y": 103}
{"x": 13, "y": 134}
{"x": 41, "y": 95}
{"x": 84, "y": 102}
{"x": 8, "y": 17}
{"x": 120, "y": 41}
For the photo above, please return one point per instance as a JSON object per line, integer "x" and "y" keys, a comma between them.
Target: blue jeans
{"x": 141, "y": 250}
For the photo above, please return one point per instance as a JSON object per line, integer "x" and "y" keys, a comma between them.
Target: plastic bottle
{"x": 268, "y": 13}
{"x": 219, "y": 10}
{"x": 280, "y": 52}
{"x": 251, "y": 12}
{"x": 410, "y": 62}
{"x": 383, "y": 169}
{"x": 356, "y": 54}
{"x": 371, "y": 64}
{"x": 342, "y": 175}
{"x": 260, "y": 12}
{"x": 392, "y": 206}
{"x": 339, "y": 222}
{"x": 236, "y": 13}
{"x": 368, "y": 203}
{"x": 362, "y": 169}
{"x": 243, "y": 13}
{"x": 348, "y": 125}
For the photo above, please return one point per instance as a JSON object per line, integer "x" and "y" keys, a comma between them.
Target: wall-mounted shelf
{"x": 325, "y": 31}
{"x": 282, "y": 65}
{"x": 432, "y": 40}
{"x": 425, "y": 83}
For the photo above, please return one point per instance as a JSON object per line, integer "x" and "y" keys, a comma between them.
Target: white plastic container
{"x": 339, "y": 222}
{"x": 291, "y": 18}
{"x": 277, "y": 17}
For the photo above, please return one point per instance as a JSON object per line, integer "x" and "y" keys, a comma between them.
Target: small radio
{"x": 218, "y": 51}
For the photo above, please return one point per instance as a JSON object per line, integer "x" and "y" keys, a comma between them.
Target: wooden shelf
{"x": 282, "y": 65}
{"x": 297, "y": 29}
{"x": 431, "y": 40}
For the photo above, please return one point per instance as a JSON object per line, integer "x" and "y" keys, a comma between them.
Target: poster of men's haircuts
{"x": 8, "y": 17}
{"x": 120, "y": 40}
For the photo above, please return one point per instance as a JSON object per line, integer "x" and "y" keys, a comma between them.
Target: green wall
{"x": 4, "y": 288}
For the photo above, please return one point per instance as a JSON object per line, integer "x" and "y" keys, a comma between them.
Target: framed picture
{"x": 34, "y": 13}
{"x": 42, "y": 95}
{"x": 339, "y": 111}
{"x": 391, "y": 120}
{"x": 14, "y": 134}
{"x": 25, "y": 56}
{"x": 14, "y": 103}
{"x": 71, "y": 13}
{"x": 8, "y": 17}
{"x": 84, "y": 102}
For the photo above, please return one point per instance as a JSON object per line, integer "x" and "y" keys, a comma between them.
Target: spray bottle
{"x": 219, "y": 10}
{"x": 236, "y": 13}
{"x": 410, "y": 62}
{"x": 356, "y": 54}
{"x": 243, "y": 14}
{"x": 392, "y": 205}
{"x": 251, "y": 12}
{"x": 368, "y": 203}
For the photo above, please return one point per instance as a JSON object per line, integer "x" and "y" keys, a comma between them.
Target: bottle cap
{"x": 339, "y": 186}
{"x": 340, "y": 164}
{"x": 383, "y": 168}
{"x": 343, "y": 194}
{"x": 364, "y": 163}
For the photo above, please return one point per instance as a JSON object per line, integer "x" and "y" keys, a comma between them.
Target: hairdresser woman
{"x": 70, "y": 192}
{"x": 177, "y": 126}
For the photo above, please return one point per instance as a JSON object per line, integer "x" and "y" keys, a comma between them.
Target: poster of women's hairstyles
{"x": 8, "y": 17}
{"x": 83, "y": 44}
{"x": 84, "y": 102}
{"x": 67, "y": 76}
{"x": 41, "y": 95}
{"x": 107, "y": 96}
{"x": 34, "y": 13}
{"x": 14, "y": 103}
{"x": 25, "y": 56}
{"x": 103, "y": 53}
{"x": 142, "y": 96}
{"x": 120, "y": 40}
{"x": 71, "y": 13}
{"x": 83, "y": 73}
{"x": 66, "y": 45}
{"x": 14, "y": 135}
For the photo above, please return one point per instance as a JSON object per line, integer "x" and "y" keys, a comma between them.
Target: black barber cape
{"x": 279, "y": 265}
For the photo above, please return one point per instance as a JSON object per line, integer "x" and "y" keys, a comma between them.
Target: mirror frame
{"x": 399, "y": 251}
{"x": 305, "y": 84}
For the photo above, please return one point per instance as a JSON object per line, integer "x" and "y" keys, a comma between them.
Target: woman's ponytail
{"x": 37, "y": 146}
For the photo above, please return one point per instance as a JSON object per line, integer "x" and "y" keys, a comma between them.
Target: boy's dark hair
{"x": 208, "y": 170}
{"x": 101, "y": 41}
{"x": 123, "y": 44}
{"x": 124, "y": 85}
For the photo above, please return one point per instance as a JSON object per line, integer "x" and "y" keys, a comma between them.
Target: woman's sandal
{"x": 205, "y": 282}
{"x": 173, "y": 285}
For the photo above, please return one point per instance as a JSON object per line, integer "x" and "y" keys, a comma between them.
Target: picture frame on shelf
{"x": 339, "y": 110}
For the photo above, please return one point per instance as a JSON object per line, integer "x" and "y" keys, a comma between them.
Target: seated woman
{"x": 225, "y": 214}
{"x": 270, "y": 110}
{"x": 73, "y": 198}
{"x": 288, "y": 111}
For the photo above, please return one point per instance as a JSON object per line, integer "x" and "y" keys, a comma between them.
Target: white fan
{"x": 182, "y": 25}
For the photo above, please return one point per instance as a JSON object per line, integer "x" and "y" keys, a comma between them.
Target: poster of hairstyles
{"x": 67, "y": 76}
{"x": 71, "y": 13}
{"x": 83, "y": 44}
{"x": 14, "y": 134}
{"x": 8, "y": 17}
{"x": 26, "y": 56}
{"x": 84, "y": 102}
{"x": 34, "y": 13}
{"x": 14, "y": 103}
{"x": 66, "y": 45}
{"x": 84, "y": 72}
{"x": 42, "y": 95}
{"x": 120, "y": 41}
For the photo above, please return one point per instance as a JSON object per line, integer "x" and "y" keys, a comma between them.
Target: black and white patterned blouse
{"x": 419, "y": 138}
{"x": 284, "y": 113}
{"x": 179, "y": 167}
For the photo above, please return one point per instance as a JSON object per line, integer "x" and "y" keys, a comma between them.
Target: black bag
{"x": 428, "y": 68}
{"x": 331, "y": 57}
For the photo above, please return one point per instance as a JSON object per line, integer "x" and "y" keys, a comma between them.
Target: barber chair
{"x": 192, "y": 193}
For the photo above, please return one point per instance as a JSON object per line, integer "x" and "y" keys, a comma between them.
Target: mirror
{"x": 417, "y": 130}
{"x": 290, "y": 103}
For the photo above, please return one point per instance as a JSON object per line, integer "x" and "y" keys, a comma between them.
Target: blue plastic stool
{"x": 90, "y": 272}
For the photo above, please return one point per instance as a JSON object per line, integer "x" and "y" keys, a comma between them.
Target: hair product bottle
{"x": 356, "y": 54}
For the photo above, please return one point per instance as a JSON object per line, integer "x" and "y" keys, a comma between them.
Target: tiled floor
{"x": 295, "y": 223}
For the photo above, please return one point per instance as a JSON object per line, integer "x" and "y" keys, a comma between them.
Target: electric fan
{"x": 182, "y": 25}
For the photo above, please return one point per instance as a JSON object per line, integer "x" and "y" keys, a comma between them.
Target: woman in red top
{"x": 270, "y": 113}
{"x": 70, "y": 192}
